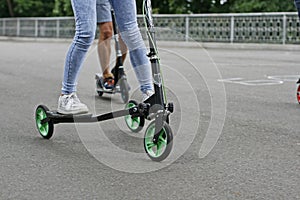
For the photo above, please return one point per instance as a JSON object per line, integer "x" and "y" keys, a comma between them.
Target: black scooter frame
{"x": 138, "y": 111}
{"x": 118, "y": 70}
{"x": 159, "y": 109}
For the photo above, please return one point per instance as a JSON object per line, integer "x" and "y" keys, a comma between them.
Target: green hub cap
{"x": 43, "y": 128}
{"x": 155, "y": 150}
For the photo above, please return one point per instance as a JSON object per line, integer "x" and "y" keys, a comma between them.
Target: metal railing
{"x": 279, "y": 28}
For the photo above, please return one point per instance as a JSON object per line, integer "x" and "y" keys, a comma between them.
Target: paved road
{"x": 256, "y": 157}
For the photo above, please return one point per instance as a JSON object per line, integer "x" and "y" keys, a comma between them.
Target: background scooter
{"x": 120, "y": 81}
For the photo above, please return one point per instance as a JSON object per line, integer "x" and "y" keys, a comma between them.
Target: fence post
{"x": 231, "y": 29}
{"x": 18, "y": 27}
{"x": 187, "y": 27}
{"x": 4, "y": 27}
{"x": 57, "y": 28}
{"x": 284, "y": 29}
{"x": 36, "y": 28}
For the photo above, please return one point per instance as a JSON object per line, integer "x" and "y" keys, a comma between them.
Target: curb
{"x": 179, "y": 44}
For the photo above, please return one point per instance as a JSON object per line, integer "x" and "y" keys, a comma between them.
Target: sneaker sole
{"x": 64, "y": 112}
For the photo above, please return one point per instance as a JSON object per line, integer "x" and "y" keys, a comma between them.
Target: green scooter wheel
{"x": 45, "y": 129}
{"x": 135, "y": 124}
{"x": 159, "y": 150}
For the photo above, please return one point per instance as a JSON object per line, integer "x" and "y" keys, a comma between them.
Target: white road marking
{"x": 242, "y": 81}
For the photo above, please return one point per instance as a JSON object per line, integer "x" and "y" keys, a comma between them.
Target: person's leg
{"x": 104, "y": 21}
{"x": 123, "y": 48}
{"x": 85, "y": 19}
{"x": 297, "y": 3}
{"x": 104, "y": 48}
{"x": 127, "y": 21}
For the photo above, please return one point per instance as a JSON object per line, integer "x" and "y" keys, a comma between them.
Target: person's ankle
{"x": 108, "y": 75}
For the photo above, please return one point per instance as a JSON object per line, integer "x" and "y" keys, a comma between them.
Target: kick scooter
{"x": 158, "y": 138}
{"x": 120, "y": 84}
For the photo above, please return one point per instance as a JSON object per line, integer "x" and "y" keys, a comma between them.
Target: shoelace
{"x": 75, "y": 98}
{"x": 67, "y": 99}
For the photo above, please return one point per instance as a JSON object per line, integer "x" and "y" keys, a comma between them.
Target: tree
{"x": 33, "y": 8}
{"x": 166, "y": 6}
{"x": 220, "y": 6}
{"x": 62, "y": 8}
{"x": 26, "y": 8}
{"x": 10, "y": 8}
{"x": 201, "y": 6}
{"x": 186, "y": 6}
{"x": 261, "y": 5}
{"x": 46, "y": 8}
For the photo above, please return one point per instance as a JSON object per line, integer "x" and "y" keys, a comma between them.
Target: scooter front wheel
{"x": 159, "y": 150}
{"x": 124, "y": 89}
{"x": 100, "y": 94}
{"x": 45, "y": 129}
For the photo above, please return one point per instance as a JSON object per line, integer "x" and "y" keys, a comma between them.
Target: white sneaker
{"x": 147, "y": 94}
{"x": 70, "y": 104}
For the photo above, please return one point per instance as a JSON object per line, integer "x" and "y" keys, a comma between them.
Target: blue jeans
{"x": 125, "y": 11}
{"x": 103, "y": 11}
{"x": 85, "y": 22}
{"x": 85, "y": 18}
{"x": 297, "y": 3}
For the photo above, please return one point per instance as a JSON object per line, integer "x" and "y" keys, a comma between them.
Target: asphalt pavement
{"x": 236, "y": 127}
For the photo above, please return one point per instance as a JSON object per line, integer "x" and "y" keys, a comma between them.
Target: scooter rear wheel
{"x": 135, "y": 124}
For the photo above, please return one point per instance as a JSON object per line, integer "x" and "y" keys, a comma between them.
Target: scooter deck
{"x": 54, "y": 114}
{"x": 57, "y": 118}
{"x": 100, "y": 88}
{"x": 112, "y": 91}
{"x": 61, "y": 118}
